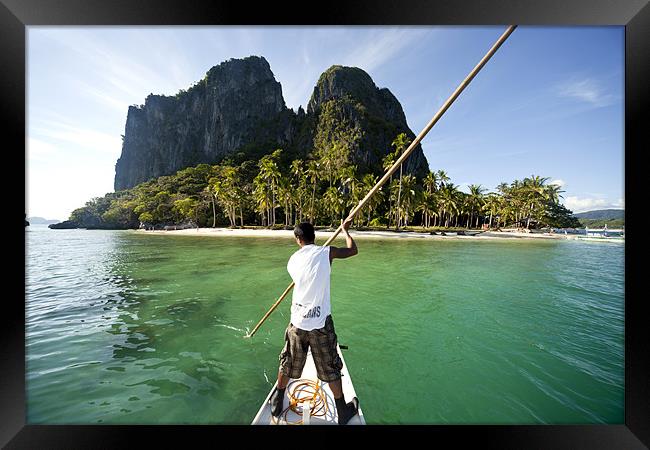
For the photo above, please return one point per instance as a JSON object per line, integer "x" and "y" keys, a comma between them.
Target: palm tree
{"x": 327, "y": 159}
{"x": 262, "y": 196}
{"x": 503, "y": 188}
{"x": 475, "y": 201}
{"x": 536, "y": 196}
{"x": 227, "y": 191}
{"x": 208, "y": 192}
{"x": 393, "y": 190}
{"x": 426, "y": 206}
{"x": 271, "y": 174}
{"x": 221, "y": 193}
{"x": 553, "y": 192}
{"x": 348, "y": 177}
{"x": 491, "y": 206}
{"x": 285, "y": 195}
{"x": 450, "y": 202}
{"x": 444, "y": 200}
{"x": 313, "y": 168}
{"x": 462, "y": 205}
{"x": 387, "y": 163}
{"x": 430, "y": 182}
{"x": 245, "y": 194}
{"x": 236, "y": 194}
{"x": 334, "y": 203}
{"x": 408, "y": 201}
{"x": 352, "y": 187}
{"x": 400, "y": 143}
{"x": 443, "y": 178}
{"x": 367, "y": 183}
{"x": 300, "y": 179}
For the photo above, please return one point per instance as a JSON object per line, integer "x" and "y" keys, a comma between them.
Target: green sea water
{"x": 130, "y": 328}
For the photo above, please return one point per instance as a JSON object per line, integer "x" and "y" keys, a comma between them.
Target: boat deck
{"x": 264, "y": 416}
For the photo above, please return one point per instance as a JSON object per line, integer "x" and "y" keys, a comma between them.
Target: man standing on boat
{"x": 311, "y": 322}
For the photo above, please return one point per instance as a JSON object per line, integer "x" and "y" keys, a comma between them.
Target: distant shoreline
{"x": 236, "y": 232}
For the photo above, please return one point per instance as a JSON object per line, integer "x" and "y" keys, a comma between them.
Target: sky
{"x": 549, "y": 102}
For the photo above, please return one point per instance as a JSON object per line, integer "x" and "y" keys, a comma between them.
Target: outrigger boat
{"x": 309, "y": 401}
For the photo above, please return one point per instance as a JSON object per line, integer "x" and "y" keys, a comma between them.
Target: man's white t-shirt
{"x": 309, "y": 268}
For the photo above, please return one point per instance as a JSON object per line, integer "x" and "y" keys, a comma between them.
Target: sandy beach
{"x": 216, "y": 232}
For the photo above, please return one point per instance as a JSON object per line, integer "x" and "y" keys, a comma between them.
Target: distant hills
{"x": 613, "y": 218}
{"x": 41, "y": 221}
{"x": 602, "y": 214}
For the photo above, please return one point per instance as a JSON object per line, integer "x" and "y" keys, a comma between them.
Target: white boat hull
{"x": 264, "y": 416}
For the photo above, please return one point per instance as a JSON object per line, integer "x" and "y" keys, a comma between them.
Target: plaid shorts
{"x": 323, "y": 350}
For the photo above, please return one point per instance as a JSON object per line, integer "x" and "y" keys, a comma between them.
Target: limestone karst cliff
{"x": 238, "y": 109}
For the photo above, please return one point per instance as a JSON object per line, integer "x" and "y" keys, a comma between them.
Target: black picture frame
{"x": 15, "y": 15}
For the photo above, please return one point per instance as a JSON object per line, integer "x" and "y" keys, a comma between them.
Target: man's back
{"x": 312, "y": 326}
{"x": 309, "y": 268}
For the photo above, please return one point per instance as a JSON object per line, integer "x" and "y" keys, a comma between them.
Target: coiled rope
{"x": 305, "y": 393}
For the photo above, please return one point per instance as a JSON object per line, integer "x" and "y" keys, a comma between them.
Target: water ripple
{"x": 131, "y": 328}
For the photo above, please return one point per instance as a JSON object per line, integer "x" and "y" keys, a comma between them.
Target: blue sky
{"x": 549, "y": 103}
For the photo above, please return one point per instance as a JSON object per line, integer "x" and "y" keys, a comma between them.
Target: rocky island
{"x": 237, "y": 110}
{"x": 229, "y": 152}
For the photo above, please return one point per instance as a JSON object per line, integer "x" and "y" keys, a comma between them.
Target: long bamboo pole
{"x": 404, "y": 155}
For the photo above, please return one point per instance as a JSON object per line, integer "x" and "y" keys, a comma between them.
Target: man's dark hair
{"x": 305, "y": 232}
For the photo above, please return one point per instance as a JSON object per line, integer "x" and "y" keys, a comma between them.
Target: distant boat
{"x": 323, "y": 414}
{"x": 603, "y": 233}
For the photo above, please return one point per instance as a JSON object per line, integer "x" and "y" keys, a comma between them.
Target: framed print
{"x": 476, "y": 166}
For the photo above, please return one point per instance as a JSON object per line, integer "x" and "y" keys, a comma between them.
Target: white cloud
{"x": 54, "y": 191}
{"x": 345, "y": 46}
{"x": 106, "y": 98}
{"x": 38, "y": 149}
{"x": 88, "y": 139}
{"x": 123, "y": 74}
{"x": 382, "y": 46}
{"x": 376, "y": 48}
{"x": 577, "y": 204}
{"x": 586, "y": 90}
{"x": 560, "y": 183}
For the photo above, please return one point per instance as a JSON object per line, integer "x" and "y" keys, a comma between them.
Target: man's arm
{"x": 351, "y": 249}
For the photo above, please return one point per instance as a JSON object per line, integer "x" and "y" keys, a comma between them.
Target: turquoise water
{"x": 132, "y": 328}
